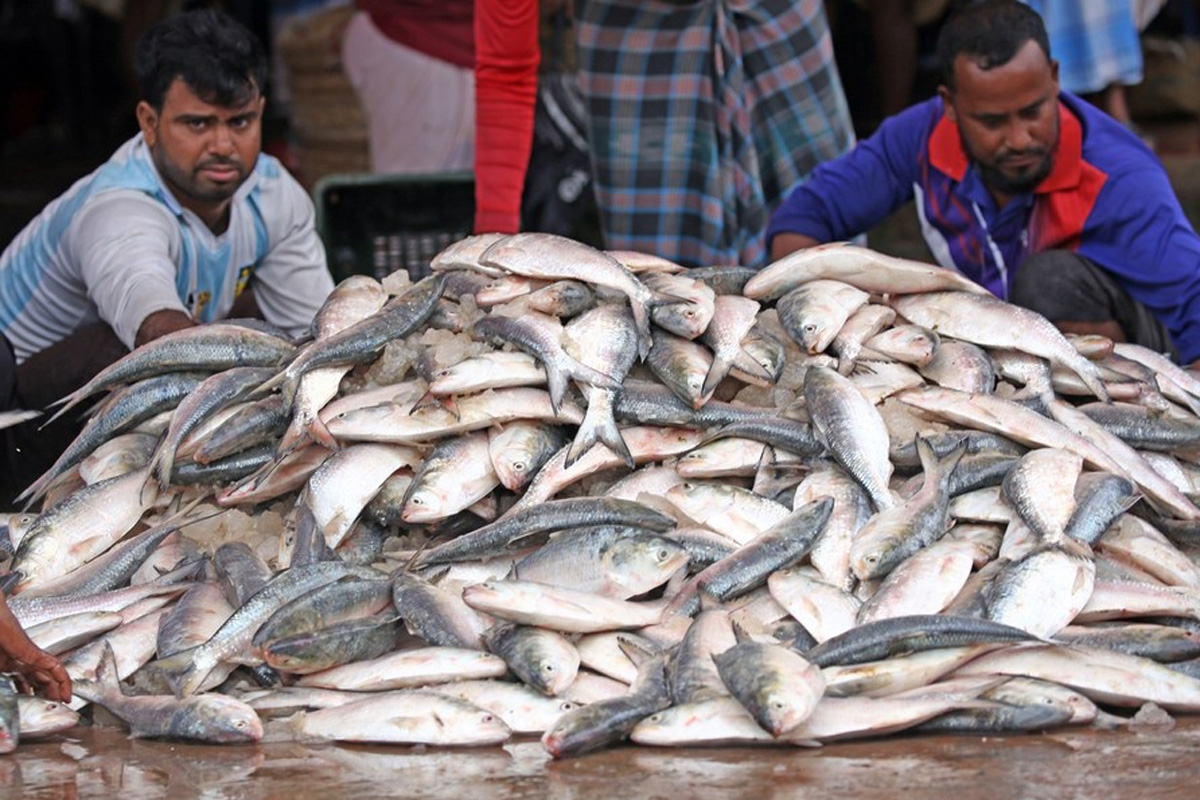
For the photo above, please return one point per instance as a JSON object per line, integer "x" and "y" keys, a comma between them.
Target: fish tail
{"x": 319, "y": 433}
{"x": 641, "y": 319}
{"x": 594, "y": 377}
{"x": 716, "y": 373}
{"x": 556, "y": 382}
{"x": 610, "y": 434}
{"x": 1091, "y": 378}
{"x": 587, "y": 436}
{"x": 69, "y": 402}
{"x": 295, "y": 434}
{"x": 160, "y": 468}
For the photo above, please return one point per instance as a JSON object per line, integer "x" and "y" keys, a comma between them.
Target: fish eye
{"x": 548, "y": 668}
{"x": 416, "y": 500}
{"x": 690, "y": 313}
{"x": 663, "y": 555}
{"x": 488, "y": 718}
{"x": 809, "y": 328}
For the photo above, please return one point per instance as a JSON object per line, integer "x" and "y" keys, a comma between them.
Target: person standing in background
{"x": 412, "y": 64}
{"x": 1097, "y": 46}
{"x": 506, "y": 64}
{"x": 703, "y": 117}
{"x": 448, "y": 85}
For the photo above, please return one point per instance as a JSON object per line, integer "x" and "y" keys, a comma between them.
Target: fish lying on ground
{"x": 620, "y": 500}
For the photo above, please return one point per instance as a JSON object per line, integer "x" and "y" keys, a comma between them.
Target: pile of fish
{"x": 593, "y": 496}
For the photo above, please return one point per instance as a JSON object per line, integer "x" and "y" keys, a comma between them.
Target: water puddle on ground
{"x": 103, "y": 762}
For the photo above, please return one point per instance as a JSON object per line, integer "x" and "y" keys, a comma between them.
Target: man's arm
{"x": 1139, "y": 234}
{"x": 123, "y": 248}
{"x": 160, "y": 323}
{"x": 36, "y": 670}
{"x": 785, "y": 243}
{"x": 844, "y": 197}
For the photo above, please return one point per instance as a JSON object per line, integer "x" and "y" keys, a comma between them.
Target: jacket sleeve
{"x": 844, "y": 197}
{"x": 506, "y": 61}
{"x": 126, "y": 246}
{"x": 1138, "y": 232}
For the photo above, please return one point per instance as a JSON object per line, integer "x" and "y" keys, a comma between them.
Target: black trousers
{"x": 38, "y": 381}
{"x": 1065, "y": 287}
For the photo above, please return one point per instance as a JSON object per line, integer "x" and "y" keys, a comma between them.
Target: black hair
{"x": 219, "y": 59}
{"x": 989, "y": 33}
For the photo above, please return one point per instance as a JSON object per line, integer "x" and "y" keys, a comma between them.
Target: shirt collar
{"x": 946, "y": 153}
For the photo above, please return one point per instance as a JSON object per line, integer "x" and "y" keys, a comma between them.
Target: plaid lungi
{"x": 1095, "y": 42}
{"x": 703, "y": 117}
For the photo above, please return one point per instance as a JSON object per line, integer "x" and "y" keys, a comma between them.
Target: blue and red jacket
{"x": 1107, "y": 198}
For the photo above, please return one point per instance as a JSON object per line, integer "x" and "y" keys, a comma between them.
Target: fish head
{"x": 228, "y": 720}
{"x": 871, "y": 557}
{"x": 424, "y": 504}
{"x": 35, "y": 558}
{"x": 771, "y": 359}
{"x": 815, "y": 336}
{"x": 513, "y": 470}
{"x": 641, "y": 562}
{"x": 554, "y": 674}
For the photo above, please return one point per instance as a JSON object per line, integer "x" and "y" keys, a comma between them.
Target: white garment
{"x": 420, "y": 110}
{"x": 117, "y": 246}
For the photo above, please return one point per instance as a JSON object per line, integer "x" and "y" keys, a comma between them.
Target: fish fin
{"x": 189, "y": 680}
{"x": 431, "y": 400}
{"x": 665, "y": 506}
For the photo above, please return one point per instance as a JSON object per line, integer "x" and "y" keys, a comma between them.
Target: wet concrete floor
{"x": 102, "y": 762}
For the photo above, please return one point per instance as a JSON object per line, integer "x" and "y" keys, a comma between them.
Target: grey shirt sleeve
{"x": 125, "y": 246}
{"x": 292, "y": 280}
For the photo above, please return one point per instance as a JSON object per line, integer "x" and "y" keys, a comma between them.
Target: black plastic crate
{"x": 375, "y": 224}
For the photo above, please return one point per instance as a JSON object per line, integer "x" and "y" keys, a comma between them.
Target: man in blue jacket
{"x": 1025, "y": 189}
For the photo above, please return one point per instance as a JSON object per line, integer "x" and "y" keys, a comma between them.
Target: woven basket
{"x": 326, "y": 115}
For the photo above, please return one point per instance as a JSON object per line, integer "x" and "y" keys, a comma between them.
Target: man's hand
{"x": 160, "y": 323}
{"x": 784, "y": 243}
{"x": 35, "y": 670}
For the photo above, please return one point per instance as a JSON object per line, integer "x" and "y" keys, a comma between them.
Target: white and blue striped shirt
{"x": 117, "y": 246}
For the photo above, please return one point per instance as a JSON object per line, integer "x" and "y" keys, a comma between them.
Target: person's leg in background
{"x": 895, "y": 33}
{"x": 1080, "y": 297}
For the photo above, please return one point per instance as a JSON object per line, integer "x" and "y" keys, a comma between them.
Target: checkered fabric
{"x": 703, "y": 117}
{"x": 1094, "y": 41}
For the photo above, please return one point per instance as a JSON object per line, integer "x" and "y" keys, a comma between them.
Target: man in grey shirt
{"x": 180, "y": 223}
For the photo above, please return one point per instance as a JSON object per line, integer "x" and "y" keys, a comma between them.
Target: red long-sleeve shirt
{"x": 506, "y": 61}
{"x": 500, "y": 38}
